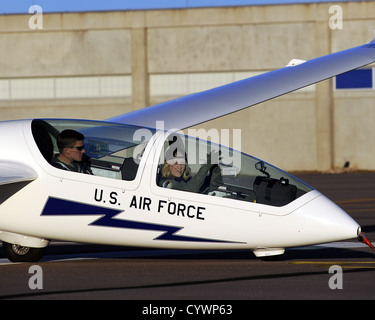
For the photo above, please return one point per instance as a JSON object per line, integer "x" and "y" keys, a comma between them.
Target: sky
{"x": 22, "y": 6}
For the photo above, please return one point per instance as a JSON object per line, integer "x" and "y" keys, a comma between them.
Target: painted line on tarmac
{"x": 342, "y": 264}
{"x": 332, "y": 245}
{"x": 352, "y": 201}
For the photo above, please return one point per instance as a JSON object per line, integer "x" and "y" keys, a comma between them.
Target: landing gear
{"x": 18, "y": 253}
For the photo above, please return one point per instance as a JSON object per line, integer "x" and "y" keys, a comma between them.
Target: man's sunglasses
{"x": 80, "y": 148}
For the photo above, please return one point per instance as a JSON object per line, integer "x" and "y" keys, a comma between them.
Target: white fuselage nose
{"x": 321, "y": 220}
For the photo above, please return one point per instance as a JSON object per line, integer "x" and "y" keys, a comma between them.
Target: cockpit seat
{"x": 42, "y": 138}
{"x": 129, "y": 169}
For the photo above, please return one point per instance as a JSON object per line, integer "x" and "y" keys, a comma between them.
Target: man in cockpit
{"x": 72, "y": 150}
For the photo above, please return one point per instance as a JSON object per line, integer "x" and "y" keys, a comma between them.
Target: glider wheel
{"x": 18, "y": 253}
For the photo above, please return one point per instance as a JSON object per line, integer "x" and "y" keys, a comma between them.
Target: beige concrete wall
{"x": 317, "y": 129}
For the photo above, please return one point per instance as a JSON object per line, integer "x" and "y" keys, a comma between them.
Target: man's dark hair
{"x": 68, "y": 138}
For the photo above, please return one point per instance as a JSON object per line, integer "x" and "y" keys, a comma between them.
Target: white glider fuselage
{"x": 70, "y": 206}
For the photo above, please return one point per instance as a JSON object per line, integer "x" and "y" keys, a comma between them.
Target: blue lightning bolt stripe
{"x": 61, "y": 207}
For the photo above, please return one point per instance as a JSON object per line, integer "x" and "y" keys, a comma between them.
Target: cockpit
{"x": 114, "y": 151}
{"x": 242, "y": 176}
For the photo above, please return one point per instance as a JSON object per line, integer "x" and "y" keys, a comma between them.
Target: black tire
{"x": 17, "y": 253}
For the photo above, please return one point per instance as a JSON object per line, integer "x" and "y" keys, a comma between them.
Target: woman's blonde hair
{"x": 166, "y": 171}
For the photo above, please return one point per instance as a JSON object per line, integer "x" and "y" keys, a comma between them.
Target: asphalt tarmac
{"x": 336, "y": 271}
